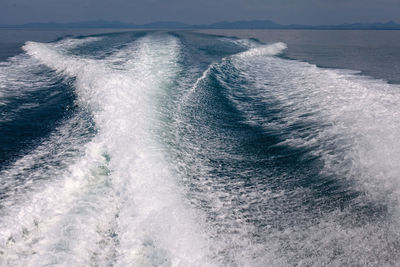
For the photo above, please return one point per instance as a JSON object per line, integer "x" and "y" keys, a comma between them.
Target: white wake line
{"x": 63, "y": 195}
{"x": 190, "y": 92}
{"x": 264, "y": 50}
{"x": 361, "y": 112}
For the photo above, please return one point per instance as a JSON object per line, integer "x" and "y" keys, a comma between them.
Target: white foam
{"x": 120, "y": 202}
{"x": 357, "y": 115}
{"x": 19, "y": 74}
{"x": 16, "y": 78}
{"x": 264, "y": 50}
{"x": 349, "y": 122}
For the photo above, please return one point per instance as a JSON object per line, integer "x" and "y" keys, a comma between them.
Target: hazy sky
{"x": 200, "y": 11}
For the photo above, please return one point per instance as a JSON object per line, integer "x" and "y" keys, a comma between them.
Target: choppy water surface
{"x": 186, "y": 149}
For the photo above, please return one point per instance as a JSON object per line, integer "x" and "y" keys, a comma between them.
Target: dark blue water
{"x": 187, "y": 149}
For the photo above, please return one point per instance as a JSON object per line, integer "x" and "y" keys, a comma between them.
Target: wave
{"x": 264, "y": 50}
{"x": 336, "y": 109}
{"x": 122, "y": 191}
{"x": 340, "y": 125}
{"x": 245, "y": 159}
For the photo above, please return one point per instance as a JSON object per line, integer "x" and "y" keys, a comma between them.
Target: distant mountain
{"x": 377, "y": 25}
{"x": 246, "y": 24}
{"x": 267, "y": 24}
{"x": 84, "y": 24}
{"x": 165, "y": 25}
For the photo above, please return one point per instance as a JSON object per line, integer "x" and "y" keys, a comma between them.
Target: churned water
{"x": 186, "y": 149}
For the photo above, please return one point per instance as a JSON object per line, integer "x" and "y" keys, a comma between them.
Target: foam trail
{"x": 223, "y": 198}
{"x": 16, "y": 79}
{"x": 340, "y": 124}
{"x": 283, "y": 163}
{"x": 349, "y": 123}
{"x": 353, "y": 110}
{"x": 120, "y": 202}
{"x": 264, "y": 50}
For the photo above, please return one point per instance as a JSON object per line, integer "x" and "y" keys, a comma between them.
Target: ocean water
{"x": 163, "y": 148}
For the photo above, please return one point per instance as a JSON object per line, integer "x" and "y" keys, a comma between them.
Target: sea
{"x": 199, "y": 148}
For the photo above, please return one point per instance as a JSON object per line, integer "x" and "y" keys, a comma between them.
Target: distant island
{"x": 248, "y": 24}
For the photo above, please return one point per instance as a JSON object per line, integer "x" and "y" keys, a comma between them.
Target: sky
{"x": 312, "y": 12}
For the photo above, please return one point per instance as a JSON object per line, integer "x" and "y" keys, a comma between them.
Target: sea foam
{"x": 122, "y": 190}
